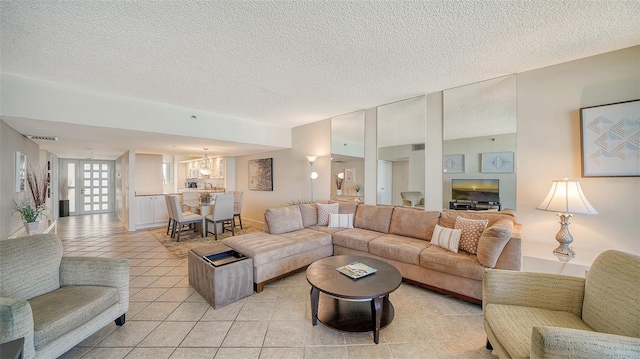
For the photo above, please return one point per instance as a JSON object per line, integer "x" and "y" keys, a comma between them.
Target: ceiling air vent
{"x": 44, "y": 138}
{"x": 417, "y": 147}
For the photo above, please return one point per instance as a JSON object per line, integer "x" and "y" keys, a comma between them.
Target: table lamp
{"x": 566, "y": 198}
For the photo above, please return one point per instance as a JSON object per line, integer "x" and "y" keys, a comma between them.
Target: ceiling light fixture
{"x": 205, "y": 164}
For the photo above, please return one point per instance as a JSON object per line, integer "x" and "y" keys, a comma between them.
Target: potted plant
{"x": 339, "y": 180}
{"x": 29, "y": 213}
{"x": 63, "y": 192}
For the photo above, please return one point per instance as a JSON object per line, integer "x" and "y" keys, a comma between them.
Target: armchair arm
{"x": 107, "y": 272}
{"x": 538, "y": 290}
{"x": 556, "y": 342}
{"x": 16, "y": 321}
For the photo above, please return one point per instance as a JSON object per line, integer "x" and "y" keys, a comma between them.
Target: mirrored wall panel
{"x": 479, "y": 145}
{"x": 347, "y": 156}
{"x": 401, "y": 154}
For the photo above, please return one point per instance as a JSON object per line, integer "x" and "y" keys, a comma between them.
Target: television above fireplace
{"x": 476, "y": 190}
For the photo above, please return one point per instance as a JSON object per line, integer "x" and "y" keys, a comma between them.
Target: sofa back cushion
{"x": 492, "y": 242}
{"x": 309, "y": 212}
{"x": 611, "y": 294}
{"x": 373, "y": 218}
{"x": 30, "y": 266}
{"x": 283, "y": 219}
{"x": 413, "y": 223}
{"x": 448, "y": 218}
{"x": 345, "y": 207}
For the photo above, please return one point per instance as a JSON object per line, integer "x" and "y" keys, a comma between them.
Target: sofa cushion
{"x": 309, "y": 212}
{"x": 355, "y": 238}
{"x": 413, "y": 223}
{"x": 448, "y": 217}
{"x": 373, "y": 218}
{"x": 341, "y": 220}
{"x": 266, "y": 248}
{"x": 461, "y": 264}
{"x": 446, "y": 238}
{"x": 345, "y": 207}
{"x": 325, "y": 210}
{"x": 284, "y": 219}
{"x": 58, "y": 312}
{"x": 399, "y": 248}
{"x": 492, "y": 242}
{"x": 471, "y": 230}
{"x": 330, "y": 230}
{"x": 512, "y": 325}
{"x": 19, "y": 277}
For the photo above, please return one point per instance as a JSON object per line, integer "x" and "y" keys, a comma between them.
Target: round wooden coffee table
{"x": 352, "y": 305}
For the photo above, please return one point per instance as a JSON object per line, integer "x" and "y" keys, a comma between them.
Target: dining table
{"x": 203, "y": 209}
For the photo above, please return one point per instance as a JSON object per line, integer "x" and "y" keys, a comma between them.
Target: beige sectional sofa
{"x": 400, "y": 236}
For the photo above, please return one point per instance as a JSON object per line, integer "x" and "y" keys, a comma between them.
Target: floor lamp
{"x": 313, "y": 175}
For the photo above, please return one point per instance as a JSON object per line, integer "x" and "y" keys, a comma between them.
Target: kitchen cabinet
{"x": 151, "y": 210}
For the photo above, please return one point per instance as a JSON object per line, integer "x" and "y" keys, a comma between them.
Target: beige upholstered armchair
{"x": 55, "y": 302}
{"x": 412, "y": 199}
{"x": 539, "y": 315}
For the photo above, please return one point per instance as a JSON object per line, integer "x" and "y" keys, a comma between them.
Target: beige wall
{"x": 549, "y": 100}
{"x": 10, "y": 142}
{"x": 290, "y": 171}
{"x": 148, "y": 174}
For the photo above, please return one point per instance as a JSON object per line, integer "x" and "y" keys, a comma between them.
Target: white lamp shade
{"x": 565, "y": 196}
{"x": 312, "y": 159}
{"x": 341, "y": 175}
{"x": 313, "y": 175}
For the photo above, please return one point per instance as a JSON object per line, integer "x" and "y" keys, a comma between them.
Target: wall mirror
{"x": 401, "y": 152}
{"x": 479, "y": 145}
{"x": 347, "y": 156}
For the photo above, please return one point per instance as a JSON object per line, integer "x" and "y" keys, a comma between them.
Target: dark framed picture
{"x": 261, "y": 174}
{"x": 610, "y": 137}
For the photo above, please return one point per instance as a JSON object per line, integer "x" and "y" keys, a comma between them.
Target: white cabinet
{"x": 218, "y": 168}
{"x": 152, "y": 210}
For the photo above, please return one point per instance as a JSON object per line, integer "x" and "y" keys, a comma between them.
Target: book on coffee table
{"x": 356, "y": 270}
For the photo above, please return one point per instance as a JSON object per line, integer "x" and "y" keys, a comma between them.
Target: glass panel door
{"x": 95, "y": 192}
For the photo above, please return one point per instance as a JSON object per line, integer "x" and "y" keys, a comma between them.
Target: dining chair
{"x": 171, "y": 215}
{"x": 237, "y": 207}
{"x": 182, "y": 220}
{"x": 222, "y": 212}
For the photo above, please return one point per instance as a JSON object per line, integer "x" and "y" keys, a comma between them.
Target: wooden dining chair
{"x": 237, "y": 207}
{"x": 181, "y": 220}
{"x": 222, "y": 212}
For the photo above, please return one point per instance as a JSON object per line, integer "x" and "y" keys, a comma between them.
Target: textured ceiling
{"x": 297, "y": 62}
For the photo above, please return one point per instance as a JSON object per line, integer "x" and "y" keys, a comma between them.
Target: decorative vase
{"x": 63, "y": 208}
{"x": 31, "y": 227}
{"x": 339, "y": 192}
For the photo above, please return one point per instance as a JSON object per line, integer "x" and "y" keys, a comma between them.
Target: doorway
{"x": 91, "y": 185}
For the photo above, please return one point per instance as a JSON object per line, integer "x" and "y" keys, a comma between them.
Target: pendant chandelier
{"x": 205, "y": 165}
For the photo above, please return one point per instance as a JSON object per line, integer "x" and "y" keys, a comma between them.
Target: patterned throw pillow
{"x": 341, "y": 220}
{"x": 471, "y": 231}
{"x": 324, "y": 210}
{"x": 446, "y": 238}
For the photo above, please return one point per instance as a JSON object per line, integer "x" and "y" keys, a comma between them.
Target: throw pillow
{"x": 324, "y": 210}
{"x": 283, "y": 220}
{"x": 341, "y": 220}
{"x": 446, "y": 238}
{"x": 493, "y": 241}
{"x": 471, "y": 230}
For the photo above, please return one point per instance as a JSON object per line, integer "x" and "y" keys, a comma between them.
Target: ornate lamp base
{"x": 564, "y": 237}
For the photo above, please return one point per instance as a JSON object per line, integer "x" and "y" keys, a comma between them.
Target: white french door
{"x": 91, "y": 188}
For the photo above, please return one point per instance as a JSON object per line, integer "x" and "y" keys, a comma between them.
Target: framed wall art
{"x": 261, "y": 174}
{"x": 453, "y": 163}
{"x": 349, "y": 175}
{"x": 498, "y": 162}
{"x": 21, "y": 171}
{"x": 610, "y": 137}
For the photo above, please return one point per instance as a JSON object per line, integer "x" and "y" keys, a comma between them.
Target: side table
{"x": 12, "y": 349}
{"x": 225, "y": 279}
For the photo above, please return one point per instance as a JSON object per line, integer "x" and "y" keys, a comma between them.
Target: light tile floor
{"x": 168, "y": 319}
